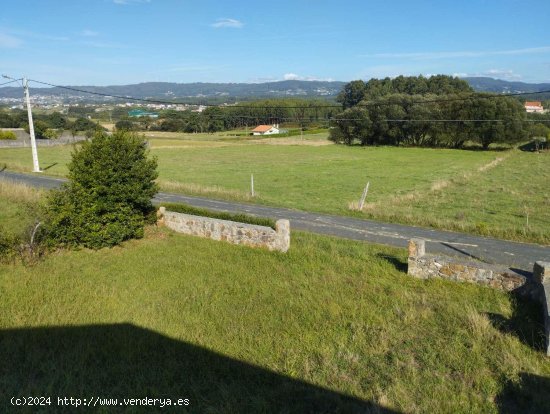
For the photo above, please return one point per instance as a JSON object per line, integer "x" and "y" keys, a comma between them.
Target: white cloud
{"x": 9, "y": 42}
{"x": 458, "y": 54}
{"x": 231, "y": 23}
{"x": 104, "y": 45}
{"x": 130, "y": 1}
{"x": 293, "y": 76}
{"x": 25, "y": 34}
{"x": 505, "y": 74}
{"x": 88, "y": 33}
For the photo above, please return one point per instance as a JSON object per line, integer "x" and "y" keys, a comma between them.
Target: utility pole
{"x": 36, "y": 166}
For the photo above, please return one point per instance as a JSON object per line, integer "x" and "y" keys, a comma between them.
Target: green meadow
{"x": 493, "y": 193}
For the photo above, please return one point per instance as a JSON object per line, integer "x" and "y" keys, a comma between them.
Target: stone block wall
{"x": 427, "y": 266}
{"x": 233, "y": 232}
{"x": 535, "y": 287}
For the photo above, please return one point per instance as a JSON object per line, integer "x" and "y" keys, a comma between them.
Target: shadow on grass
{"x": 526, "y": 322}
{"x": 399, "y": 264}
{"x": 49, "y": 166}
{"x": 532, "y": 146}
{"x": 528, "y": 395}
{"x": 125, "y": 361}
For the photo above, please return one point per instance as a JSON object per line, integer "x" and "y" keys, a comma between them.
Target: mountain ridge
{"x": 277, "y": 89}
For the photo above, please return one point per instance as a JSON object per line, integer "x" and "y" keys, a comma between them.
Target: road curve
{"x": 515, "y": 255}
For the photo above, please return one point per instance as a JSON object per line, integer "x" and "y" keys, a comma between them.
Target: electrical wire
{"x": 365, "y": 104}
{"x": 318, "y": 119}
{"x": 12, "y": 81}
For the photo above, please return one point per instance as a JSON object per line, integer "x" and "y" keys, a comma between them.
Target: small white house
{"x": 266, "y": 130}
{"x": 534, "y": 106}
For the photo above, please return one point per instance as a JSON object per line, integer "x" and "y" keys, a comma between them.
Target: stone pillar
{"x": 541, "y": 274}
{"x": 417, "y": 248}
{"x": 160, "y": 215}
{"x": 282, "y": 227}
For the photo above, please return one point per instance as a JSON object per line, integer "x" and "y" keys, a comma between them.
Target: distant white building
{"x": 266, "y": 130}
{"x": 534, "y": 106}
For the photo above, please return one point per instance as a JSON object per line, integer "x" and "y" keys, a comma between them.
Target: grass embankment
{"x": 450, "y": 189}
{"x": 236, "y": 329}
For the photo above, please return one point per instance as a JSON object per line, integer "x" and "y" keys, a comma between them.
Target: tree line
{"x": 440, "y": 111}
{"x": 47, "y": 126}
{"x": 299, "y": 112}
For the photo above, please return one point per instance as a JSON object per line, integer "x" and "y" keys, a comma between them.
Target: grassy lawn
{"x": 241, "y": 330}
{"x": 488, "y": 193}
{"x": 332, "y": 326}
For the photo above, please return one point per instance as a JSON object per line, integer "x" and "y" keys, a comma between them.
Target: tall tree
{"x": 352, "y": 93}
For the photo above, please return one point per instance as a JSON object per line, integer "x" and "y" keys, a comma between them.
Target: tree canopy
{"x": 440, "y": 111}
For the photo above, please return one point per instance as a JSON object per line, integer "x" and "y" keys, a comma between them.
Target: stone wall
{"x": 427, "y": 266}
{"x": 535, "y": 286}
{"x": 233, "y": 232}
{"x": 541, "y": 275}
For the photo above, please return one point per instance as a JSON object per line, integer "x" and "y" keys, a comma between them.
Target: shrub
{"x": 125, "y": 124}
{"x": 7, "y": 135}
{"x": 52, "y": 133}
{"x": 108, "y": 197}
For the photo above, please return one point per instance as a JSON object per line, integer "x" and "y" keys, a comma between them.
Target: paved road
{"x": 515, "y": 255}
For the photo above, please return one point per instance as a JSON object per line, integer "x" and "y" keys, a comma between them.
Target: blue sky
{"x": 102, "y": 42}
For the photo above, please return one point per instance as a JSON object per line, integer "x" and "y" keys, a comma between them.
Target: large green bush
{"x": 108, "y": 197}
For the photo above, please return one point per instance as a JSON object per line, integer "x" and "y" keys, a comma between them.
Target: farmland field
{"x": 501, "y": 194}
{"x": 231, "y": 328}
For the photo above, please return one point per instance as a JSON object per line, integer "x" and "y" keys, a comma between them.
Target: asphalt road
{"x": 515, "y": 255}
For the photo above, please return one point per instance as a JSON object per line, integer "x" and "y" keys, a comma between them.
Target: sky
{"x": 111, "y": 42}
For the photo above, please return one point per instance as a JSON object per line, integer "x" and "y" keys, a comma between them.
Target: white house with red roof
{"x": 533, "y": 106}
{"x": 266, "y": 130}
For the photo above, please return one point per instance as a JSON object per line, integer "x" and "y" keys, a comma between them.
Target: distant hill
{"x": 168, "y": 91}
{"x": 482, "y": 84}
{"x": 220, "y": 92}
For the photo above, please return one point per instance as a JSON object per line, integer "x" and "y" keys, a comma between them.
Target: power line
{"x": 12, "y": 81}
{"x": 365, "y": 104}
{"x": 332, "y": 119}
{"x": 158, "y": 101}
{"x": 310, "y": 119}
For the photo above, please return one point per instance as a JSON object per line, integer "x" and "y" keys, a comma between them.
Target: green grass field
{"x": 499, "y": 194}
{"x": 230, "y": 327}
{"x": 333, "y": 325}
